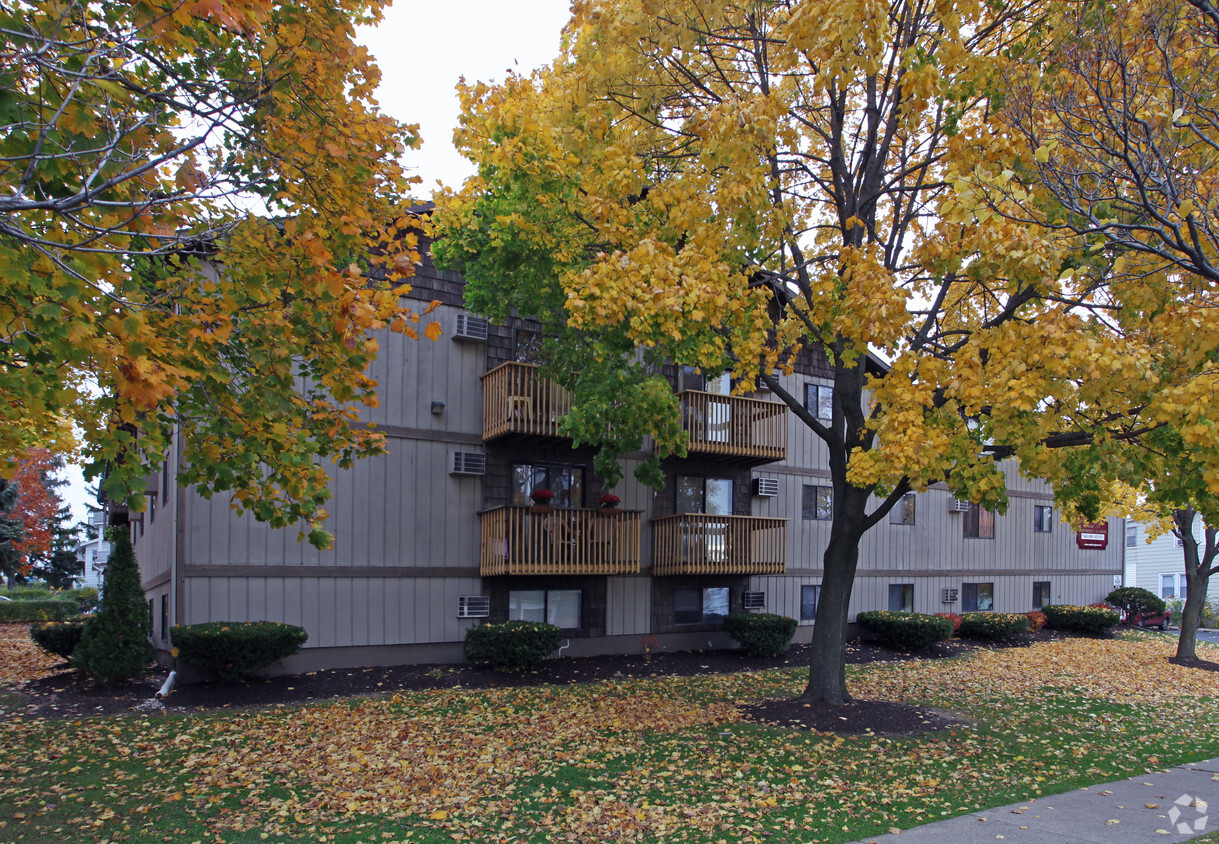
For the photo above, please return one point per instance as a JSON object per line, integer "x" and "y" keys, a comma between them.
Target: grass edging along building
{"x": 442, "y": 532}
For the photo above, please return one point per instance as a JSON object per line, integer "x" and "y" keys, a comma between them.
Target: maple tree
{"x": 730, "y": 185}
{"x": 1116, "y": 111}
{"x": 29, "y": 513}
{"x": 201, "y": 219}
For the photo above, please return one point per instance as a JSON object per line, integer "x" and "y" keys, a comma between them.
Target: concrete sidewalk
{"x": 1137, "y": 809}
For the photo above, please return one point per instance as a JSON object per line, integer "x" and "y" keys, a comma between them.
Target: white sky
{"x": 423, "y": 47}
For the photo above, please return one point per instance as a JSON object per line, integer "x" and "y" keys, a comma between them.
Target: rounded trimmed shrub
{"x": 1036, "y": 620}
{"x": 761, "y": 634}
{"x": 1133, "y": 602}
{"x": 992, "y": 626}
{"x": 1092, "y": 620}
{"x": 58, "y": 638}
{"x": 236, "y": 650}
{"x": 905, "y": 630}
{"x": 515, "y": 645}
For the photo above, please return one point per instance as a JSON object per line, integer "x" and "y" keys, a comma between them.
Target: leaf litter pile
{"x": 668, "y": 758}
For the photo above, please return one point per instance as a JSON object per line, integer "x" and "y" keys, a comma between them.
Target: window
{"x": 977, "y": 597}
{"x": 566, "y": 482}
{"x": 152, "y": 509}
{"x": 165, "y": 480}
{"x": 1132, "y": 534}
{"x": 901, "y": 597}
{"x": 164, "y": 617}
{"x": 528, "y": 347}
{"x": 1172, "y": 586}
{"x": 150, "y": 617}
{"x": 819, "y": 401}
{"x": 809, "y": 596}
{"x": 903, "y": 511}
{"x": 1043, "y": 518}
{"x": 1041, "y": 593}
{"x": 700, "y": 606}
{"x": 817, "y": 503}
{"x": 979, "y": 523}
{"x": 704, "y": 495}
{"x": 560, "y": 607}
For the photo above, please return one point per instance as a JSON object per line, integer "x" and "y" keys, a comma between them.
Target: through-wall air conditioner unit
{"x": 753, "y": 600}
{"x": 470, "y": 328}
{"x": 766, "y": 487}
{"x": 468, "y": 463}
{"x": 951, "y": 596}
{"x": 473, "y": 606}
{"x": 959, "y": 505}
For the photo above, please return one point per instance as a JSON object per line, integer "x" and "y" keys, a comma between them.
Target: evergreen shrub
{"x": 905, "y": 630}
{"x": 58, "y": 638}
{"x": 515, "y": 645}
{"x": 115, "y": 646}
{"x": 992, "y": 626}
{"x": 1092, "y": 620}
{"x": 236, "y": 650}
{"x": 48, "y": 609}
{"x": 761, "y": 634}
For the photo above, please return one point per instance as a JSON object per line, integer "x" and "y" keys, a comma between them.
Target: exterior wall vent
{"x": 473, "y": 606}
{"x": 959, "y": 505}
{"x": 766, "y": 487}
{"x": 951, "y": 596}
{"x": 753, "y": 600}
{"x": 469, "y": 463}
{"x": 470, "y": 328}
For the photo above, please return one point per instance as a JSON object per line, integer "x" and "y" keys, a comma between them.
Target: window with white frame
{"x": 1132, "y": 535}
{"x": 1172, "y": 586}
{"x": 819, "y": 401}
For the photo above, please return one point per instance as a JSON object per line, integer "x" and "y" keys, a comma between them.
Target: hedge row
{"x": 905, "y": 630}
{"x": 236, "y": 650}
{"x": 1094, "y": 620}
{"x": 43, "y": 609}
{"x": 515, "y": 645}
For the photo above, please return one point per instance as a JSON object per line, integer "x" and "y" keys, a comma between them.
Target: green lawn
{"x": 636, "y": 761}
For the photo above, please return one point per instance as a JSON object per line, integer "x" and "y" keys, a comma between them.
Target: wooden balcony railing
{"x": 694, "y": 543}
{"x": 516, "y": 400}
{"x": 519, "y": 540}
{"x": 734, "y": 426}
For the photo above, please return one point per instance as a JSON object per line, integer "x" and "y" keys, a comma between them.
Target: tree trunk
{"x": 1195, "y": 585}
{"x": 827, "y": 676}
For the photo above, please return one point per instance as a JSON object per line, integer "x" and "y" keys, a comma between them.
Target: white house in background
{"x": 1158, "y": 565}
{"x": 93, "y": 554}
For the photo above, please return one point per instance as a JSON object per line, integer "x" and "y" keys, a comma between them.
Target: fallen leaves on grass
{"x": 638, "y": 760}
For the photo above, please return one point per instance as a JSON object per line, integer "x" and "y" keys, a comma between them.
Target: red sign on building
{"x": 1095, "y": 535}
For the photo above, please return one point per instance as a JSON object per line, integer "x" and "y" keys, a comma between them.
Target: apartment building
{"x": 442, "y": 532}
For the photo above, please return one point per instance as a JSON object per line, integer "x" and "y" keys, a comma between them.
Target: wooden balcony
{"x": 518, "y": 540}
{"x": 517, "y": 401}
{"x": 693, "y": 543}
{"x": 740, "y": 429}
